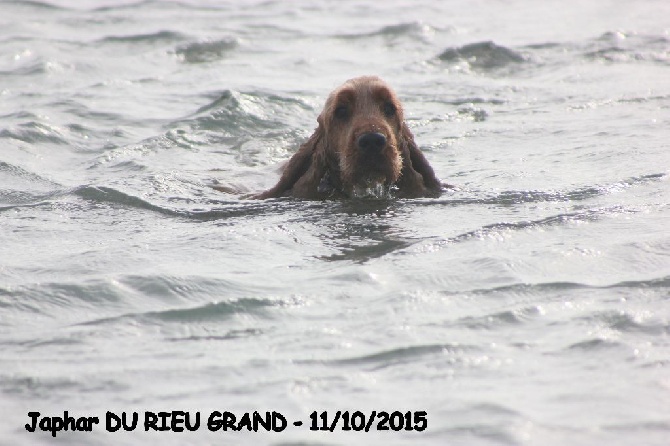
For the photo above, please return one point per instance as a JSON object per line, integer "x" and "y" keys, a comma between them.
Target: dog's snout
{"x": 371, "y": 142}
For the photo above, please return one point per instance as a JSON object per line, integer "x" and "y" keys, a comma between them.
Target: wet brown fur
{"x": 330, "y": 163}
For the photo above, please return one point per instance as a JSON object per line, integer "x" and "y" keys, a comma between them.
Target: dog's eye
{"x": 389, "y": 109}
{"x": 341, "y": 112}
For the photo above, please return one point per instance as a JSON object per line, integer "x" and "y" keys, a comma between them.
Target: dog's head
{"x": 362, "y": 123}
{"x": 362, "y": 147}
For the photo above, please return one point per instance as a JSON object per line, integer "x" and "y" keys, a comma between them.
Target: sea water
{"x": 528, "y": 305}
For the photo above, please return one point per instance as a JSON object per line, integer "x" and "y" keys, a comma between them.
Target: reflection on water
{"x": 363, "y": 229}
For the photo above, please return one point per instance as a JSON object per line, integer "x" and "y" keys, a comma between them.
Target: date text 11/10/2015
{"x": 270, "y": 421}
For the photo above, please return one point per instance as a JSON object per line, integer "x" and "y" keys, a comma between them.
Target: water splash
{"x": 374, "y": 190}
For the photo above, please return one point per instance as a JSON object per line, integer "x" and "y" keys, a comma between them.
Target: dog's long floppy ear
{"x": 417, "y": 177}
{"x": 304, "y": 171}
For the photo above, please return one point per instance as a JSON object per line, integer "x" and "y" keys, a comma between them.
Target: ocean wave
{"x": 103, "y": 194}
{"x": 627, "y": 322}
{"x": 592, "y": 345}
{"x": 11, "y": 199}
{"x": 512, "y": 198}
{"x": 34, "y": 132}
{"x": 206, "y": 51}
{"x": 552, "y": 288}
{"x": 210, "y": 210}
{"x": 149, "y": 298}
{"x": 494, "y": 230}
{"x": 228, "y": 335}
{"x": 397, "y": 356}
{"x": 500, "y": 319}
{"x": 631, "y": 47}
{"x": 414, "y": 30}
{"x": 235, "y": 113}
{"x": 213, "y": 311}
{"x": 484, "y": 56}
{"x": 164, "y": 36}
{"x": 150, "y": 5}
{"x": 50, "y": 298}
{"x": 33, "y": 4}
{"x": 20, "y": 187}
{"x": 210, "y": 312}
{"x": 612, "y": 47}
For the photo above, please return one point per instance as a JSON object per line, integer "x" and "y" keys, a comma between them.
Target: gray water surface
{"x": 528, "y": 306}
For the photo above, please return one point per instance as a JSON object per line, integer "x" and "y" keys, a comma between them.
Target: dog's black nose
{"x": 371, "y": 142}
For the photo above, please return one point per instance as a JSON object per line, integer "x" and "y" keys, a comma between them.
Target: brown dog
{"x": 362, "y": 147}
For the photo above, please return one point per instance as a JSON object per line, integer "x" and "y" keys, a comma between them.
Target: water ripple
{"x": 504, "y": 318}
{"x": 593, "y": 345}
{"x": 631, "y": 323}
{"x": 397, "y": 356}
{"x": 151, "y": 38}
{"x": 414, "y": 30}
{"x": 101, "y": 194}
{"x": 35, "y": 5}
{"x": 543, "y": 288}
{"x": 513, "y": 197}
{"x": 209, "y": 312}
{"x": 494, "y": 229}
{"x": 228, "y": 336}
